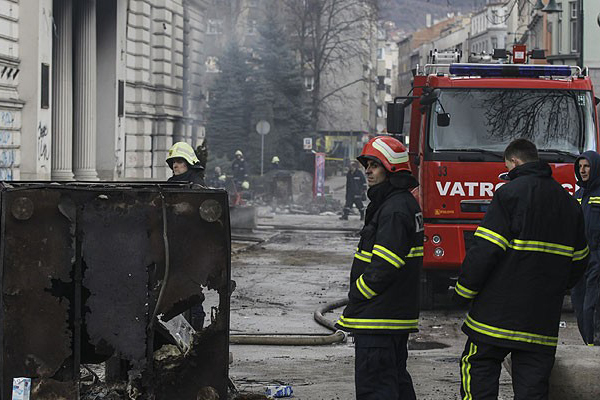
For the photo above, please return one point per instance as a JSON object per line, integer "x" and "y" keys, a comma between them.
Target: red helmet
{"x": 388, "y": 151}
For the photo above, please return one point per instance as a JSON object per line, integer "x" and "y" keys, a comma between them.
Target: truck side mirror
{"x": 443, "y": 119}
{"x": 395, "y": 117}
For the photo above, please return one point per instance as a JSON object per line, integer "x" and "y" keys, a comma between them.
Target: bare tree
{"x": 331, "y": 36}
{"x": 550, "y": 115}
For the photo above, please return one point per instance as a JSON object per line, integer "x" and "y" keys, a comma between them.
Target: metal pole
{"x": 262, "y": 152}
{"x": 580, "y": 33}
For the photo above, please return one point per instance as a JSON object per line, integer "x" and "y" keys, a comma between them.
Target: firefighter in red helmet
{"x": 383, "y": 305}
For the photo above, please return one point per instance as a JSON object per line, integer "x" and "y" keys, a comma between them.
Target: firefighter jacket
{"x": 192, "y": 175}
{"x": 589, "y": 197}
{"x": 384, "y": 281}
{"x": 238, "y": 169}
{"x": 356, "y": 185}
{"x": 529, "y": 249}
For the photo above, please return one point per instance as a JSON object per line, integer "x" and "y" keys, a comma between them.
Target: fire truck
{"x": 462, "y": 117}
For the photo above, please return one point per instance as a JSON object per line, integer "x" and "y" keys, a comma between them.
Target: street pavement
{"x": 303, "y": 264}
{"x": 282, "y": 281}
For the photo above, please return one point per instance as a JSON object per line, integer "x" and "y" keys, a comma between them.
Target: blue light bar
{"x": 509, "y": 70}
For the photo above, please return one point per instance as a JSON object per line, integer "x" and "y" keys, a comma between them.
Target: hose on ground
{"x": 298, "y": 340}
{"x": 318, "y": 315}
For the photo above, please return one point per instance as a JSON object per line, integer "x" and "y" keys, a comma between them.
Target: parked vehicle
{"x": 462, "y": 116}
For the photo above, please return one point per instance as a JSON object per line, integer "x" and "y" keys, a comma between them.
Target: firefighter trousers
{"x": 585, "y": 297}
{"x": 380, "y": 368}
{"x": 354, "y": 201}
{"x": 480, "y": 366}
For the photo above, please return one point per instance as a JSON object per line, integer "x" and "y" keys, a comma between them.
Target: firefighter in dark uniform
{"x": 529, "y": 249}
{"x": 383, "y": 305}
{"x": 355, "y": 191}
{"x": 239, "y": 170}
{"x": 187, "y": 168}
{"x": 185, "y": 164}
{"x": 585, "y": 295}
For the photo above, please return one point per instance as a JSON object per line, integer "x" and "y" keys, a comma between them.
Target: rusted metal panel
{"x": 196, "y": 257}
{"x": 199, "y": 255}
{"x": 36, "y": 287}
{"x": 84, "y": 269}
{"x": 117, "y": 257}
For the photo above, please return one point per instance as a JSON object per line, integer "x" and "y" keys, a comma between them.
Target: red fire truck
{"x": 462, "y": 118}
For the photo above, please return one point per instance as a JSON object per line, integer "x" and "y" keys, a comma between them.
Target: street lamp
{"x": 539, "y": 5}
{"x": 551, "y": 7}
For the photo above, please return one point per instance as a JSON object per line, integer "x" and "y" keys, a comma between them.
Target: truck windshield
{"x": 558, "y": 121}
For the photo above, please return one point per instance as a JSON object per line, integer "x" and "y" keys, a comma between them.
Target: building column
{"x": 84, "y": 107}
{"x": 62, "y": 96}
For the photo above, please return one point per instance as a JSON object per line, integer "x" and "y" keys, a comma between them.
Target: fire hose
{"x": 284, "y": 339}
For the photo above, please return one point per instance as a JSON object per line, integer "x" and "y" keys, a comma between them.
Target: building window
{"x": 380, "y": 53}
{"x": 559, "y": 36}
{"x": 573, "y": 32}
{"x": 214, "y": 27}
{"x": 251, "y": 27}
{"x": 560, "y": 13}
{"x": 494, "y": 42}
{"x": 388, "y": 89}
{"x": 559, "y": 30}
{"x": 388, "y": 73}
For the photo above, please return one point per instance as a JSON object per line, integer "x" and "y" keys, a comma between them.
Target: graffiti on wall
{"x": 6, "y": 174}
{"x": 6, "y": 138}
{"x": 7, "y": 158}
{"x": 7, "y": 119}
{"x": 8, "y": 150}
{"x": 43, "y": 146}
{"x": 9, "y": 145}
{"x": 119, "y": 158}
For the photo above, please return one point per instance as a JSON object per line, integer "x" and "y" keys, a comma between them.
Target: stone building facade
{"x": 98, "y": 89}
{"x": 11, "y": 104}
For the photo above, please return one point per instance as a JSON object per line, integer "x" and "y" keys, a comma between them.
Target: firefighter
{"x": 217, "y": 179}
{"x": 187, "y": 168}
{"x": 355, "y": 191}
{"x": 529, "y": 249}
{"x": 275, "y": 163}
{"x": 238, "y": 169}
{"x": 184, "y": 163}
{"x": 585, "y": 295}
{"x": 383, "y": 305}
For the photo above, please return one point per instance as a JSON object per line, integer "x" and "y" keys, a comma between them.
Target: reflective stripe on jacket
{"x": 529, "y": 249}
{"x": 384, "y": 281}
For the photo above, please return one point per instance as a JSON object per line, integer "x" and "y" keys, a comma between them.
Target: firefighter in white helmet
{"x": 275, "y": 163}
{"x": 185, "y": 164}
{"x": 186, "y": 167}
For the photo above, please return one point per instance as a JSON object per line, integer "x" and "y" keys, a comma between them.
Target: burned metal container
{"x": 87, "y": 268}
